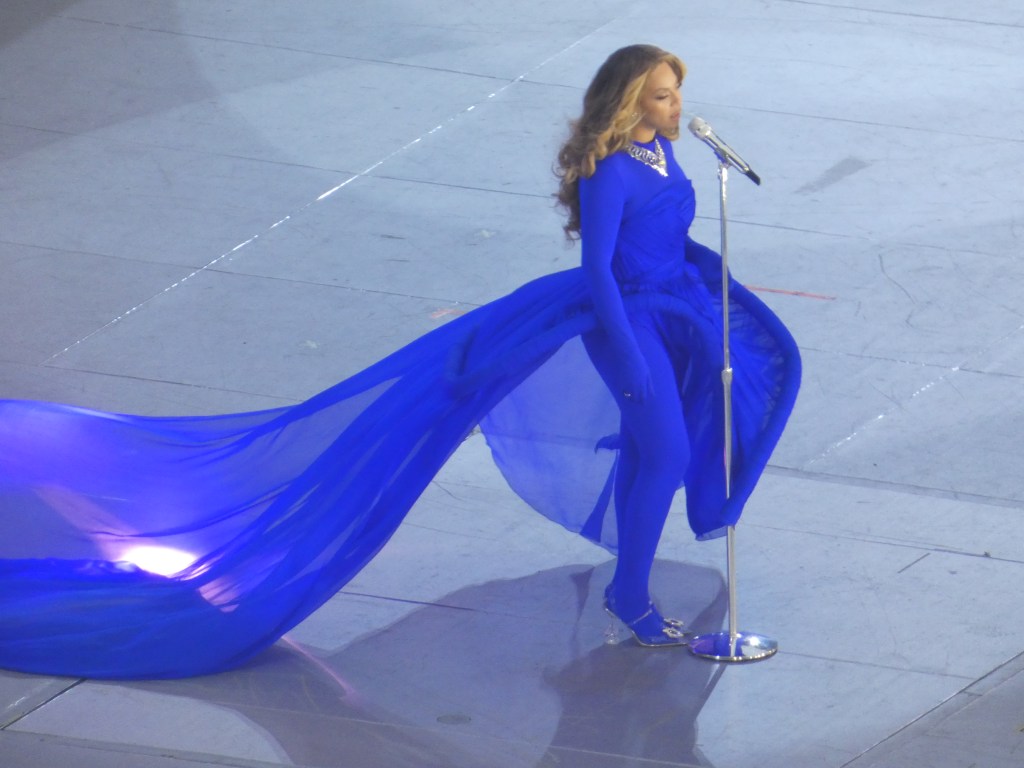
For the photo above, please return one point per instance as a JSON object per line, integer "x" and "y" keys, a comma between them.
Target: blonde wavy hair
{"x": 610, "y": 113}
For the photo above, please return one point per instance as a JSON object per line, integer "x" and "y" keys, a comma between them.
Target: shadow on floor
{"x": 512, "y": 672}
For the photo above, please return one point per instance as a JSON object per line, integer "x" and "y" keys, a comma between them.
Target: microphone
{"x": 725, "y": 153}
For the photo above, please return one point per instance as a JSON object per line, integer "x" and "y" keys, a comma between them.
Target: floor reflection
{"x": 507, "y": 673}
{"x": 639, "y": 702}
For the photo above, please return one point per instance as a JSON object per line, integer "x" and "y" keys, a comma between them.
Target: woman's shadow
{"x": 622, "y": 699}
{"x": 516, "y": 672}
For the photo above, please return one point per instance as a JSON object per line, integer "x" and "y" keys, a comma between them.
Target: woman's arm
{"x": 602, "y": 200}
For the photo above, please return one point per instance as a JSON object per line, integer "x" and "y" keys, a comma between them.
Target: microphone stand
{"x": 731, "y": 646}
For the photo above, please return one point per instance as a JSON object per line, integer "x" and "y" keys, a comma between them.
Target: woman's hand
{"x": 635, "y": 380}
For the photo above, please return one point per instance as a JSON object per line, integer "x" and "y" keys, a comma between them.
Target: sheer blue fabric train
{"x": 161, "y": 547}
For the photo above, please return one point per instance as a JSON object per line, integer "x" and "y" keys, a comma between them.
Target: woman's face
{"x": 660, "y": 105}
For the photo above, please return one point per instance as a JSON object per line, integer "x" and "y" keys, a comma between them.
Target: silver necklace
{"x": 651, "y": 158}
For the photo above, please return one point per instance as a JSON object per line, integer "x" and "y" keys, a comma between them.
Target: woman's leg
{"x": 653, "y": 457}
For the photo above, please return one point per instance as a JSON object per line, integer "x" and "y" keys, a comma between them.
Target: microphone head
{"x": 699, "y": 128}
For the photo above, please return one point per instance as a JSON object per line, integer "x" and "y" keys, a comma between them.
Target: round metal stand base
{"x": 743, "y": 646}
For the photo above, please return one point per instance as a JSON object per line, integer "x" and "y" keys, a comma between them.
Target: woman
{"x": 632, "y": 204}
{"x": 163, "y": 547}
{"x": 615, "y": 160}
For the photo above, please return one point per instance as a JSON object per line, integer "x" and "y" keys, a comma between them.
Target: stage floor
{"x": 211, "y": 207}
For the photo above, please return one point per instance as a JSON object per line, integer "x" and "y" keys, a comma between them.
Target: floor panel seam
{"x": 40, "y": 705}
{"x": 285, "y": 48}
{"x": 909, "y": 14}
{"x": 888, "y": 485}
{"x": 123, "y": 748}
{"x": 936, "y": 712}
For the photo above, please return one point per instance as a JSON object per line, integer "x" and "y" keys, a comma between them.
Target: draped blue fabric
{"x": 161, "y": 547}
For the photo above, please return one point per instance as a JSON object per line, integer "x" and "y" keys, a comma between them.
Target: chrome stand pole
{"x": 731, "y": 646}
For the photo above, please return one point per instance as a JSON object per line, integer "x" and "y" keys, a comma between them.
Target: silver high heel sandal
{"x": 666, "y": 633}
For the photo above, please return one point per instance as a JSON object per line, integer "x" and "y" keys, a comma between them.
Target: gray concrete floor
{"x": 211, "y": 206}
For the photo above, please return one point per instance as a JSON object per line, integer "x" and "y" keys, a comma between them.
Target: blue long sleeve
{"x": 602, "y": 203}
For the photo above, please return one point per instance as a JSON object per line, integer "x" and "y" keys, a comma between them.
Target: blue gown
{"x": 139, "y": 547}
